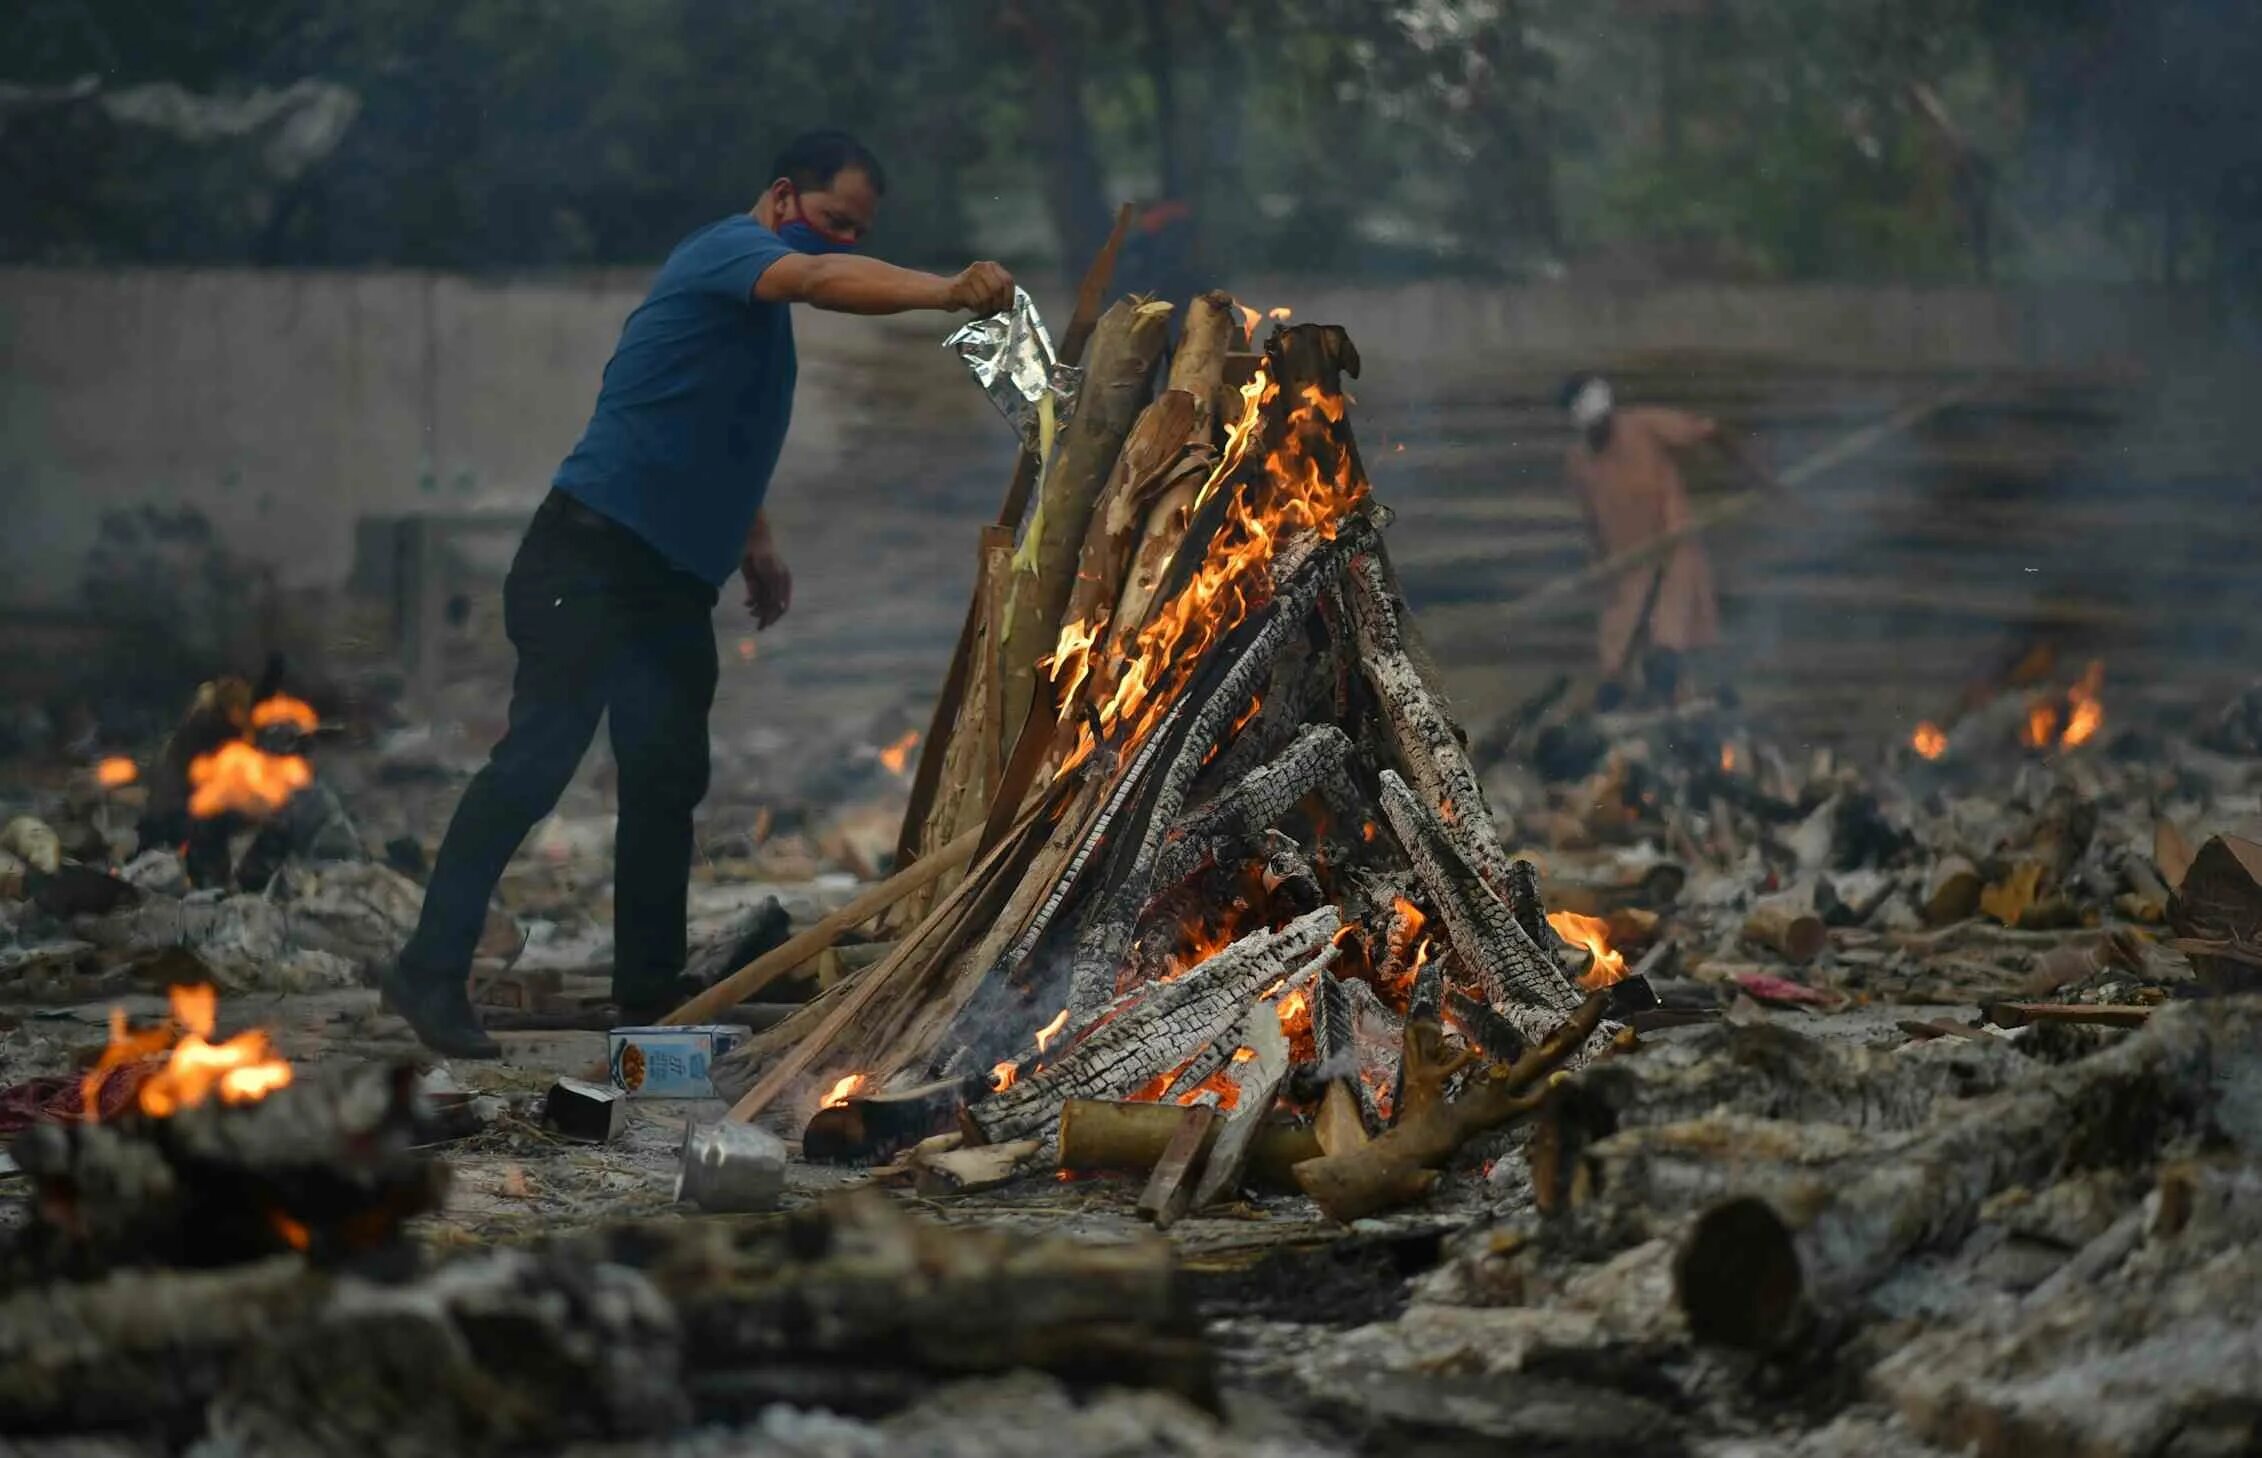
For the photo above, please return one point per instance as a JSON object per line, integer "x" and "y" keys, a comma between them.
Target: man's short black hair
{"x": 1571, "y": 387}
{"x": 812, "y": 160}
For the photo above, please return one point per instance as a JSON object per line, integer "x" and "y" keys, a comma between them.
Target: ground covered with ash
{"x": 1939, "y": 1130}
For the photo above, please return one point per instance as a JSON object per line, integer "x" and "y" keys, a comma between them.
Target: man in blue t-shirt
{"x": 609, "y": 598}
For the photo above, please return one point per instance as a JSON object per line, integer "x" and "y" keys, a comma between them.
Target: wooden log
{"x": 2171, "y": 853}
{"x": 1090, "y": 297}
{"x": 1198, "y": 369}
{"x": 2100, "y": 1015}
{"x": 1167, "y": 447}
{"x": 971, "y": 1169}
{"x": 1421, "y": 730}
{"x": 1401, "y": 1164}
{"x": 1757, "y": 1268}
{"x": 975, "y": 760}
{"x": 1341, "y": 1126}
{"x": 1148, "y": 1031}
{"x": 1785, "y": 923}
{"x": 1260, "y": 1082}
{"x": 1117, "y": 379}
{"x": 768, "y": 967}
{"x": 2219, "y": 899}
{"x": 1520, "y": 980}
{"x": 1317, "y": 761}
{"x": 1098, "y": 1135}
{"x": 800, "y": 1041}
{"x": 1170, "y": 1189}
{"x": 1951, "y": 890}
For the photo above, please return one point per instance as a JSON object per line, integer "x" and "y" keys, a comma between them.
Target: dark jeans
{"x": 602, "y": 624}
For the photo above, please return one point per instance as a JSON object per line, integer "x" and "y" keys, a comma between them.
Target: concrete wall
{"x": 289, "y": 404}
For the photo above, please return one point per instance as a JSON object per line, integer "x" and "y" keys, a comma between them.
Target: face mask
{"x": 803, "y": 236}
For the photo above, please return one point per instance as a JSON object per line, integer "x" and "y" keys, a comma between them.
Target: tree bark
{"x": 1117, "y": 378}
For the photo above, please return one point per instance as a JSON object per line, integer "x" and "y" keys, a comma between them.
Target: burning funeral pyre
{"x": 1237, "y": 856}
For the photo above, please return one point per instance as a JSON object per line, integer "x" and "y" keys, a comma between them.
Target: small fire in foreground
{"x": 1929, "y": 740}
{"x": 1004, "y": 1076}
{"x": 1051, "y": 1030}
{"x": 842, "y": 1091}
{"x": 115, "y": 771}
{"x": 284, "y": 710}
{"x": 1593, "y": 933}
{"x": 897, "y": 756}
{"x": 239, "y": 1070}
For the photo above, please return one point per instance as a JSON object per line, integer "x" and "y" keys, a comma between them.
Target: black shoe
{"x": 440, "y": 1015}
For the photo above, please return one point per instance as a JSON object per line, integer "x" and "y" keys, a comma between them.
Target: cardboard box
{"x": 670, "y": 1063}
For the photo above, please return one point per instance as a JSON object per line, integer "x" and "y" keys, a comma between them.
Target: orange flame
{"x": 241, "y": 1070}
{"x": 115, "y": 771}
{"x": 1306, "y": 485}
{"x": 1929, "y": 740}
{"x": 2041, "y": 729}
{"x": 1727, "y": 759}
{"x": 2088, "y": 714}
{"x": 1249, "y": 318}
{"x": 241, "y": 777}
{"x": 283, "y": 709}
{"x": 1593, "y": 933}
{"x": 1004, "y": 1076}
{"x": 1051, "y": 1030}
{"x": 1368, "y": 831}
{"x": 294, "y": 1232}
{"x": 897, "y": 756}
{"x": 842, "y": 1091}
{"x": 1280, "y": 312}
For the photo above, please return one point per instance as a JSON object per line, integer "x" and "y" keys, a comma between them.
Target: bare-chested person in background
{"x": 1623, "y": 465}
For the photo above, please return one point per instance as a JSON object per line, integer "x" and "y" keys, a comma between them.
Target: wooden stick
{"x": 866, "y": 987}
{"x": 1743, "y": 503}
{"x": 773, "y": 964}
{"x": 928, "y": 777}
{"x": 2102, "y": 1015}
{"x": 1170, "y": 1189}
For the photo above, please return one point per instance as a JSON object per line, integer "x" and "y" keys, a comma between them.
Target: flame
{"x": 1404, "y": 986}
{"x": 241, "y": 1070}
{"x": 747, "y": 649}
{"x": 1368, "y": 831}
{"x": 1249, "y": 318}
{"x": 294, "y": 1233}
{"x": 1446, "y": 811}
{"x": 115, "y": 771}
{"x": 1280, "y": 312}
{"x": 1004, "y": 1076}
{"x": 241, "y": 777}
{"x": 283, "y": 709}
{"x": 2088, "y": 714}
{"x": 1929, "y": 740}
{"x": 1306, "y": 484}
{"x": 2041, "y": 729}
{"x": 1051, "y": 1030}
{"x": 897, "y": 756}
{"x": 1593, "y": 933}
{"x": 842, "y": 1091}
{"x": 1727, "y": 759}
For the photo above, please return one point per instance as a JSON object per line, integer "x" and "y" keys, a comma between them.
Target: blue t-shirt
{"x": 695, "y": 403}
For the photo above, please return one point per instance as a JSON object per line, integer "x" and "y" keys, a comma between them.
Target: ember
{"x": 239, "y": 1070}
{"x": 1592, "y": 933}
{"x": 1929, "y": 740}
{"x": 115, "y": 771}
{"x": 897, "y": 756}
{"x": 2088, "y": 714}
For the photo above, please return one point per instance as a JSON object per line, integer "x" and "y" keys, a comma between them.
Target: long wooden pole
{"x": 1617, "y": 564}
{"x": 775, "y": 963}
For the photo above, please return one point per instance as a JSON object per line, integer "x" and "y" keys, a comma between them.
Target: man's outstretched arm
{"x": 847, "y": 284}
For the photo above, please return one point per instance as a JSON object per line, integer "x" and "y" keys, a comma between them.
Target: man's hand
{"x": 984, "y": 288}
{"x": 769, "y": 586}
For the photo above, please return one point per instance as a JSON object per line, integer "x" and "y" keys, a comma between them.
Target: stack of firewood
{"x": 1198, "y": 828}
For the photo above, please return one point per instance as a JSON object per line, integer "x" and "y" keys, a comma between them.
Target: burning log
{"x": 1759, "y": 1267}
{"x": 1098, "y": 1136}
{"x": 1260, "y": 1082}
{"x": 1198, "y": 369}
{"x": 1148, "y": 1032}
{"x": 1401, "y": 1165}
{"x": 1117, "y": 380}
